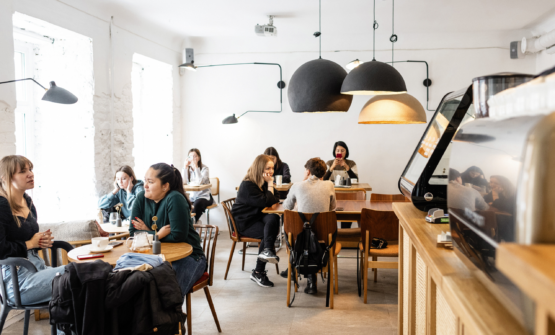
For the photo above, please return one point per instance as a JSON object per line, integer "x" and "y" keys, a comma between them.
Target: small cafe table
{"x": 171, "y": 251}
{"x": 352, "y": 209}
{"x": 286, "y": 187}
{"x": 189, "y": 188}
{"x": 113, "y": 229}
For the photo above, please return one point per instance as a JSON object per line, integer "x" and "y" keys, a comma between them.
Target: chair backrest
{"x": 228, "y": 205}
{"x": 326, "y": 223}
{"x": 350, "y": 194}
{"x": 382, "y": 224}
{"x": 389, "y": 197}
{"x": 209, "y": 236}
{"x": 215, "y": 189}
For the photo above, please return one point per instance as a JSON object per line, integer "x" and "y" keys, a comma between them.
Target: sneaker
{"x": 310, "y": 285}
{"x": 261, "y": 279}
{"x": 283, "y": 273}
{"x": 269, "y": 256}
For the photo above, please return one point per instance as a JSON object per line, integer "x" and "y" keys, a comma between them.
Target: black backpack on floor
{"x": 308, "y": 256}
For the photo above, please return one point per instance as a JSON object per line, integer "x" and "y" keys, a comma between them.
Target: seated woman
{"x": 312, "y": 195}
{"x": 255, "y": 193}
{"x": 474, "y": 176}
{"x": 196, "y": 171}
{"x": 165, "y": 198}
{"x": 280, "y": 169}
{"x": 19, "y": 232}
{"x": 341, "y": 166}
{"x": 126, "y": 188}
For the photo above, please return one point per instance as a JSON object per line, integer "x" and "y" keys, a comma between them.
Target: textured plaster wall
{"x": 96, "y": 159}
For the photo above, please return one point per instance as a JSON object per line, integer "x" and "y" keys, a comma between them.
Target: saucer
{"x": 108, "y": 248}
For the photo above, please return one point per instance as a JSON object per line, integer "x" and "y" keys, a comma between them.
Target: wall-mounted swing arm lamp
{"x": 232, "y": 119}
{"x": 53, "y": 94}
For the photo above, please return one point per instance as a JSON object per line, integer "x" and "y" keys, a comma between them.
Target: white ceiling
{"x": 339, "y": 17}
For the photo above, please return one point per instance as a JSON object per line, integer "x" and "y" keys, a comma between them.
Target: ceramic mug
{"x": 99, "y": 242}
{"x": 279, "y": 180}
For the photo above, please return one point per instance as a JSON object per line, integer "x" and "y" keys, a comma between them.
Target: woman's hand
{"x": 334, "y": 164}
{"x": 116, "y": 188}
{"x": 164, "y": 231}
{"x": 268, "y": 177}
{"x": 34, "y": 242}
{"x": 129, "y": 187}
{"x": 101, "y": 231}
{"x": 139, "y": 224}
{"x": 46, "y": 240}
{"x": 187, "y": 163}
{"x": 344, "y": 164}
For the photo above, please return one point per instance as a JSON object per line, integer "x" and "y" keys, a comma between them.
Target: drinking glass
{"x": 114, "y": 218}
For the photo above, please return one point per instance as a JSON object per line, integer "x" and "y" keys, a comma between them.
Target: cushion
{"x": 204, "y": 277}
{"x": 72, "y": 230}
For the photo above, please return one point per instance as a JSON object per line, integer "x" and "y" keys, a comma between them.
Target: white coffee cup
{"x": 338, "y": 179}
{"x": 354, "y": 181}
{"x": 99, "y": 242}
{"x": 279, "y": 179}
{"x": 150, "y": 238}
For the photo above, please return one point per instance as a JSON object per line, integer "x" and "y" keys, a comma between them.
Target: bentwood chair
{"x": 235, "y": 236}
{"x": 382, "y": 224}
{"x": 215, "y": 190}
{"x": 349, "y": 237}
{"x": 325, "y": 227}
{"x": 209, "y": 235}
{"x": 13, "y": 263}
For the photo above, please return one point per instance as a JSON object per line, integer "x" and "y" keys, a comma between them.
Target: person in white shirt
{"x": 197, "y": 173}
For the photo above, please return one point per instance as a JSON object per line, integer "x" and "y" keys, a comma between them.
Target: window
{"x": 152, "y": 87}
{"x": 24, "y": 113}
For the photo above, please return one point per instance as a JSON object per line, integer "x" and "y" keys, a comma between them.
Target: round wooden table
{"x": 113, "y": 229}
{"x": 171, "y": 251}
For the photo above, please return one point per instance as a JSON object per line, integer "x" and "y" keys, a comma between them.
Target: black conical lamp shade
{"x": 374, "y": 78}
{"x": 59, "y": 95}
{"x": 230, "y": 120}
{"x": 316, "y": 88}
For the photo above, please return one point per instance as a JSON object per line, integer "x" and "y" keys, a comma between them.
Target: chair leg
{"x": 244, "y": 253}
{"x": 230, "y": 258}
{"x": 277, "y": 269}
{"x": 3, "y": 318}
{"x": 336, "y": 275}
{"x": 375, "y": 259}
{"x": 207, "y": 216}
{"x": 189, "y": 316}
{"x": 365, "y": 277}
{"x": 288, "y": 283}
{"x": 26, "y": 322}
{"x": 209, "y": 298}
{"x": 331, "y": 265}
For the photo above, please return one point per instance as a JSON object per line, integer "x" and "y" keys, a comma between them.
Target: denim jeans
{"x": 188, "y": 271}
{"x": 34, "y": 288}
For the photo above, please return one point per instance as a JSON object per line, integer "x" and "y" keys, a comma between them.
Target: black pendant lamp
{"x": 315, "y": 87}
{"x": 374, "y": 78}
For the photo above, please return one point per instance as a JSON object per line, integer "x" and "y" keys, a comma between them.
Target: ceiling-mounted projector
{"x": 266, "y": 29}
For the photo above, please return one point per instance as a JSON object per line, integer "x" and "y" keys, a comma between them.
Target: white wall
{"x": 125, "y": 44}
{"x": 380, "y": 151}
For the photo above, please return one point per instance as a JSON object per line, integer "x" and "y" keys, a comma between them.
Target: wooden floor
{"x": 245, "y": 308}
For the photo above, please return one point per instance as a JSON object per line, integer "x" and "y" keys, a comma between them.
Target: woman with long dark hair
{"x": 280, "y": 169}
{"x": 165, "y": 198}
{"x": 197, "y": 172}
{"x": 126, "y": 188}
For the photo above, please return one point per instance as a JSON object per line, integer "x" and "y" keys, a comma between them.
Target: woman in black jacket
{"x": 255, "y": 193}
{"x": 19, "y": 232}
{"x": 280, "y": 169}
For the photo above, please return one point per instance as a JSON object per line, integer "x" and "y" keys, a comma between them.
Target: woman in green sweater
{"x": 165, "y": 198}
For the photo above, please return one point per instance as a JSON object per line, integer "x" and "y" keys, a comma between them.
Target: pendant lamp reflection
{"x": 392, "y": 109}
{"x": 315, "y": 88}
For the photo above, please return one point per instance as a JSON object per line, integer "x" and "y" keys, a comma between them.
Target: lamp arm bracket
{"x": 36, "y": 82}
{"x": 427, "y": 81}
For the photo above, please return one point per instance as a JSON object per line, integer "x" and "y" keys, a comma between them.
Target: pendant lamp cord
{"x": 393, "y": 37}
{"x": 320, "y": 26}
{"x": 375, "y": 26}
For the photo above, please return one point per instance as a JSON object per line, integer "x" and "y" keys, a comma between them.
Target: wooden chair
{"x": 209, "y": 233}
{"x": 349, "y": 237}
{"x": 215, "y": 190}
{"x": 382, "y": 224}
{"x": 235, "y": 236}
{"x": 389, "y": 197}
{"x": 325, "y": 227}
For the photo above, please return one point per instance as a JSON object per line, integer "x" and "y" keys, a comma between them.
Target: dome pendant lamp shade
{"x": 59, "y": 95}
{"x": 374, "y": 78}
{"x": 316, "y": 88}
{"x": 392, "y": 109}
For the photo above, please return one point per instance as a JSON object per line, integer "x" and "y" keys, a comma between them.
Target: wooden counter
{"x": 532, "y": 269}
{"x": 438, "y": 293}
